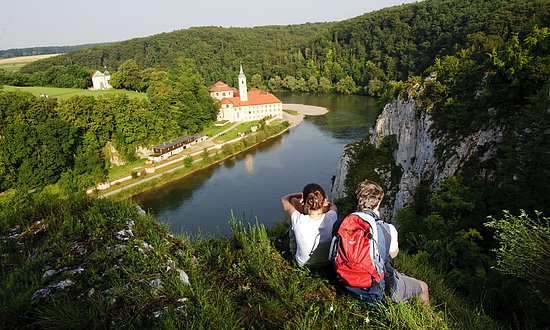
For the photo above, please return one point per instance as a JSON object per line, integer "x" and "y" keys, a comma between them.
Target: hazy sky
{"x": 32, "y": 23}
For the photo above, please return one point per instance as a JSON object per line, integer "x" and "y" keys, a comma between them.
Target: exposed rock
{"x": 142, "y": 152}
{"x": 184, "y": 278}
{"x": 338, "y": 186}
{"x": 114, "y": 157}
{"x": 44, "y": 292}
{"x": 415, "y": 152}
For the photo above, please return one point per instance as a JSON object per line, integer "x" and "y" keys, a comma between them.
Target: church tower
{"x": 243, "y": 93}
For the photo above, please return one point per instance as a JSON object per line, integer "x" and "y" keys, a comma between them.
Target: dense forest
{"x": 16, "y": 52}
{"x": 469, "y": 64}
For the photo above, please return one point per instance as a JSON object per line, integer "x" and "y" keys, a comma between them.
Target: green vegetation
{"x": 292, "y": 112}
{"x": 16, "y": 52}
{"x": 365, "y": 54}
{"x": 66, "y": 93}
{"x": 98, "y": 263}
{"x": 241, "y": 128}
{"x": 493, "y": 82}
{"x": 46, "y": 140}
{"x": 487, "y": 66}
{"x": 13, "y": 66}
{"x": 524, "y": 250}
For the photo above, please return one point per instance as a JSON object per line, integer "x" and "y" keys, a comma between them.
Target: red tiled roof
{"x": 254, "y": 98}
{"x": 220, "y": 86}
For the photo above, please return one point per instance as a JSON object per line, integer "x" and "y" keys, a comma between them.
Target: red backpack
{"x": 355, "y": 252}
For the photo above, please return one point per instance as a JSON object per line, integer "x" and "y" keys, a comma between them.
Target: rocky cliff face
{"x": 416, "y": 152}
{"x": 112, "y": 153}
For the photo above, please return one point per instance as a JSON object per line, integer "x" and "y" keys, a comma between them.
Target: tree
{"x": 127, "y": 76}
{"x": 312, "y": 84}
{"x": 256, "y": 81}
{"x": 324, "y": 85}
{"x": 301, "y": 85}
{"x": 346, "y": 86}
{"x": 375, "y": 87}
{"x": 275, "y": 83}
{"x": 290, "y": 82}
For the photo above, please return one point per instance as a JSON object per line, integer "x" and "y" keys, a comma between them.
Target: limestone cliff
{"x": 416, "y": 152}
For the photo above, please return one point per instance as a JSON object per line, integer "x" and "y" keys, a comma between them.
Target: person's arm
{"x": 333, "y": 207}
{"x": 291, "y": 203}
{"x": 394, "y": 245}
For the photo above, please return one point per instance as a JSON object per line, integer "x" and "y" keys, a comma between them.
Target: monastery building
{"x": 244, "y": 105}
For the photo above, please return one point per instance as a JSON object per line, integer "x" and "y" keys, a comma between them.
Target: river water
{"x": 251, "y": 184}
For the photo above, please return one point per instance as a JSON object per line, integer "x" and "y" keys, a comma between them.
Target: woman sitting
{"x": 312, "y": 217}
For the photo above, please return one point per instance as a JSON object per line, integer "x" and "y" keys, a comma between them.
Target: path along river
{"x": 251, "y": 184}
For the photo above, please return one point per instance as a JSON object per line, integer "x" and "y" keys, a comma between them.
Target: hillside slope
{"x": 93, "y": 263}
{"x": 372, "y": 49}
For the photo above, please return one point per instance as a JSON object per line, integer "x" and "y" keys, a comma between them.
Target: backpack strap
{"x": 389, "y": 278}
{"x": 374, "y": 253}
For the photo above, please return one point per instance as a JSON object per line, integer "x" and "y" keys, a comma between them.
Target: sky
{"x": 34, "y": 23}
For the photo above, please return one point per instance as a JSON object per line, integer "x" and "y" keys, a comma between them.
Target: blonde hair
{"x": 368, "y": 194}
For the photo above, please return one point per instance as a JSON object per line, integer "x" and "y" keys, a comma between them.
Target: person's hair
{"x": 368, "y": 194}
{"x": 315, "y": 198}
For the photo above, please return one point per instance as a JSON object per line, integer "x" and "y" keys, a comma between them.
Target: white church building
{"x": 245, "y": 105}
{"x": 100, "y": 80}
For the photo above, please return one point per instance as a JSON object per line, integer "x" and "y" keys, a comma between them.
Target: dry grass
{"x": 26, "y": 59}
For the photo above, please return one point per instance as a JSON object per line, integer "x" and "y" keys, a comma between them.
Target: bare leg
{"x": 425, "y": 295}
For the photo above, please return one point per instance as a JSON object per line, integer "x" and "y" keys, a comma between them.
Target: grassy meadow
{"x": 65, "y": 93}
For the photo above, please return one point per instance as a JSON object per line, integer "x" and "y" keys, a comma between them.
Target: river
{"x": 251, "y": 184}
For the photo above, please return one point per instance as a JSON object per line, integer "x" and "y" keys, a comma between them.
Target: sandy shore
{"x": 308, "y": 110}
{"x": 303, "y": 110}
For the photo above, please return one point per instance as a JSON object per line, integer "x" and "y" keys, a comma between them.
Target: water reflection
{"x": 249, "y": 164}
{"x": 251, "y": 184}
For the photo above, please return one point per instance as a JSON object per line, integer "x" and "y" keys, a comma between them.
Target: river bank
{"x": 294, "y": 116}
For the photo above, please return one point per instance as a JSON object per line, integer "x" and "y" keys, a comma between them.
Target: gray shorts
{"x": 405, "y": 287}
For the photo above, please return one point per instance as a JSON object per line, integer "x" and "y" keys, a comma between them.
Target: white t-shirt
{"x": 394, "y": 245}
{"x": 313, "y": 237}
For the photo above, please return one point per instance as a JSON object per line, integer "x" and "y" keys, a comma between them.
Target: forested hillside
{"x": 485, "y": 115}
{"x": 359, "y": 55}
{"x": 16, "y": 52}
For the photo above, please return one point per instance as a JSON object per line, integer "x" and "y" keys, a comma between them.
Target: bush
{"x": 524, "y": 250}
{"x": 188, "y": 161}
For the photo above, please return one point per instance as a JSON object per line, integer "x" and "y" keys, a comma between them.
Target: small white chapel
{"x": 100, "y": 80}
{"x": 243, "y": 104}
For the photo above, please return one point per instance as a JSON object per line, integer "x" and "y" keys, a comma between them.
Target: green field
{"x": 15, "y": 63}
{"x": 65, "y": 93}
{"x": 13, "y": 66}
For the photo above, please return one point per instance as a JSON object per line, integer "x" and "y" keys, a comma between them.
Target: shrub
{"x": 524, "y": 250}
